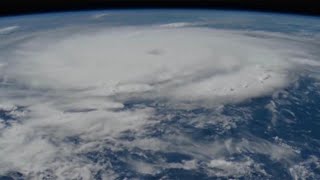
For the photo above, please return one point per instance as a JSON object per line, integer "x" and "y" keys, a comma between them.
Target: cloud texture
{"x": 67, "y": 97}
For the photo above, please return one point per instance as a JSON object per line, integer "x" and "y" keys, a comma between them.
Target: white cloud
{"x": 77, "y": 87}
{"x": 197, "y": 63}
{"x": 100, "y": 15}
{"x": 179, "y": 24}
{"x": 225, "y": 168}
{"x": 7, "y": 30}
{"x": 303, "y": 170}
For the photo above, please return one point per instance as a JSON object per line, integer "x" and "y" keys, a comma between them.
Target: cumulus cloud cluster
{"x": 74, "y": 92}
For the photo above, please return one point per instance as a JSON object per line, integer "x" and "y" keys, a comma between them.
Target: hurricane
{"x": 159, "y": 95}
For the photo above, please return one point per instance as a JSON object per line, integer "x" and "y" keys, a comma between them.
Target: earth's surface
{"x": 160, "y": 94}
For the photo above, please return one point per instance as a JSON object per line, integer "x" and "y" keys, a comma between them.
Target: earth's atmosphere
{"x": 160, "y": 94}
